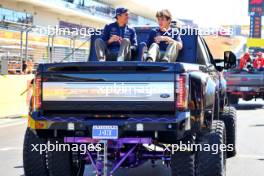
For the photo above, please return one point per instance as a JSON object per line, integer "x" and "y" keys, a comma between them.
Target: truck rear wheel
{"x": 229, "y": 118}
{"x": 64, "y": 163}
{"x": 34, "y": 163}
{"x": 209, "y": 162}
{"x": 183, "y": 162}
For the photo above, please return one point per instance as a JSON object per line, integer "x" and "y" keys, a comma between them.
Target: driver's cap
{"x": 120, "y": 10}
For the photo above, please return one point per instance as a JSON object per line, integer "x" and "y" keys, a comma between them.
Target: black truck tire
{"x": 62, "y": 162}
{"x": 209, "y": 162}
{"x": 233, "y": 100}
{"x": 229, "y": 117}
{"x": 34, "y": 163}
{"x": 183, "y": 162}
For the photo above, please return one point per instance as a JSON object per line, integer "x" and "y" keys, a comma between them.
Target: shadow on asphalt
{"x": 145, "y": 169}
{"x": 258, "y": 125}
{"x": 249, "y": 106}
{"x": 19, "y": 167}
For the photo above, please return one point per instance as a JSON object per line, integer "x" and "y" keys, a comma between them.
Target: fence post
{"x": 21, "y": 50}
{"x": 26, "y": 45}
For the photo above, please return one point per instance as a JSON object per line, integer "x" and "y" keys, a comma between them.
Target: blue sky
{"x": 204, "y": 12}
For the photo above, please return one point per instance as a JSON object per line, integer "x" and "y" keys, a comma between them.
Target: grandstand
{"x": 22, "y": 23}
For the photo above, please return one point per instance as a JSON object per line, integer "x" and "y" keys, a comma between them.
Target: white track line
{"x": 250, "y": 156}
{"x": 4, "y": 149}
{"x": 12, "y": 124}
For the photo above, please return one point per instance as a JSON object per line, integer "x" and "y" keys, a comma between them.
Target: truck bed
{"x": 245, "y": 80}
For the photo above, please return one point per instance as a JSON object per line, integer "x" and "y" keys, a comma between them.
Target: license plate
{"x": 244, "y": 88}
{"x": 105, "y": 132}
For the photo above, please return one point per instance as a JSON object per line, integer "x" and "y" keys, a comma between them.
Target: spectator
{"x": 24, "y": 67}
{"x": 30, "y": 66}
{"x": 244, "y": 61}
{"x": 259, "y": 61}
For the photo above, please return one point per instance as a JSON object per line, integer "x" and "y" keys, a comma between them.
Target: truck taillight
{"x": 182, "y": 89}
{"x": 37, "y": 93}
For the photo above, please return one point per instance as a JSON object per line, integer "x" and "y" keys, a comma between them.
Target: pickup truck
{"x": 135, "y": 110}
{"x": 254, "y": 50}
{"x": 247, "y": 84}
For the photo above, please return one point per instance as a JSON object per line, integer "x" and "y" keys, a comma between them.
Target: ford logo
{"x": 164, "y": 95}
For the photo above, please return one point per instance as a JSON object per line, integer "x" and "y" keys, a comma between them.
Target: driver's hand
{"x": 159, "y": 39}
{"x": 115, "y": 38}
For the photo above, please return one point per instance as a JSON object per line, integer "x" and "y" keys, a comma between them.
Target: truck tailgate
{"x": 245, "y": 79}
{"x": 103, "y": 88}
